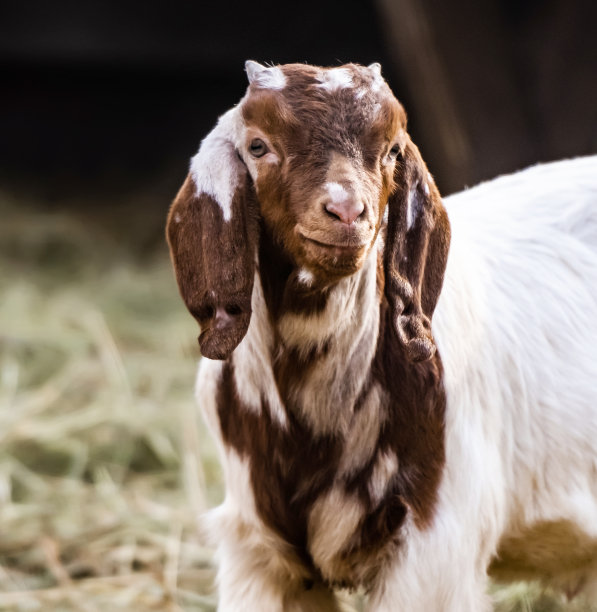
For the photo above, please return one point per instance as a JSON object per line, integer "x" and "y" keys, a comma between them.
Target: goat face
{"x": 321, "y": 152}
{"x": 313, "y": 156}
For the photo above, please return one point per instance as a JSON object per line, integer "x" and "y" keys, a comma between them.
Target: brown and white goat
{"x": 360, "y": 449}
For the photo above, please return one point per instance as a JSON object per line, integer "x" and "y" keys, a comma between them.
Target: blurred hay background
{"x": 104, "y": 464}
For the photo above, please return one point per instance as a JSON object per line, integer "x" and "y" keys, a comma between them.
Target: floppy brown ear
{"x": 212, "y": 232}
{"x": 416, "y": 253}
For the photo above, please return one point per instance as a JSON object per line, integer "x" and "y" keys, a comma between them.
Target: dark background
{"x": 103, "y": 102}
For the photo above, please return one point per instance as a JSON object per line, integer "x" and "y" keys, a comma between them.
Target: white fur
{"x": 375, "y": 68}
{"x": 254, "y": 375}
{"x": 378, "y": 81}
{"x": 412, "y": 209}
{"x": 516, "y": 328}
{"x": 336, "y": 192}
{"x": 216, "y": 167}
{"x": 265, "y": 77}
{"x": 385, "y": 467}
{"x": 329, "y": 530}
{"x": 305, "y": 277}
{"x": 364, "y": 431}
{"x": 385, "y": 215}
{"x": 335, "y": 78}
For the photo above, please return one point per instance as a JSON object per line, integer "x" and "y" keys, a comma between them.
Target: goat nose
{"x": 346, "y": 210}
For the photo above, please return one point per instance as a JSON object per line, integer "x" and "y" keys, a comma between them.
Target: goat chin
{"x": 411, "y": 422}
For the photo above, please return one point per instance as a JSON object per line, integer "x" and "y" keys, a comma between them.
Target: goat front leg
{"x": 254, "y": 576}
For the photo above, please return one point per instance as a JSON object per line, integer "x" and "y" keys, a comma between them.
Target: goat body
{"x": 355, "y": 453}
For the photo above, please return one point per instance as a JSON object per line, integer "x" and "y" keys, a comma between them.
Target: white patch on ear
{"x": 428, "y": 183}
{"x": 305, "y": 277}
{"x": 336, "y": 192}
{"x": 265, "y": 77}
{"x": 386, "y": 214}
{"x": 335, "y": 78}
{"x": 409, "y": 210}
{"x": 379, "y": 243}
{"x": 216, "y": 167}
{"x": 412, "y": 209}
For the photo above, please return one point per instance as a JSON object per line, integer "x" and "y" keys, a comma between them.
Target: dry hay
{"x": 104, "y": 465}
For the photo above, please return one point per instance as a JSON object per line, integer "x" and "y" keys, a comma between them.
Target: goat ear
{"x": 212, "y": 232}
{"x": 416, "y": 253}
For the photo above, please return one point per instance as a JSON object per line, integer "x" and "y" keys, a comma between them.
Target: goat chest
{"x": 337, "y": 498}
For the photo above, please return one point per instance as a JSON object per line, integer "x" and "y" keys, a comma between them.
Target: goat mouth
{"x": 337, "y": 250}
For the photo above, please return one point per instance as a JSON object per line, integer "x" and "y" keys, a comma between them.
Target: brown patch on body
{"x": 545, "y": 550}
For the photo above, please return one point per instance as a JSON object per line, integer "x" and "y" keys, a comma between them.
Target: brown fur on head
{"x": 317, "y": 153}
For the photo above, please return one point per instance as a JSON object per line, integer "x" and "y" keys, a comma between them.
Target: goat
{"x": 362, "y": 446}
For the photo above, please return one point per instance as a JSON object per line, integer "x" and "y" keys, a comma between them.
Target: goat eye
{"x": 257, "y": 148}
{"x": 395, "y": 152}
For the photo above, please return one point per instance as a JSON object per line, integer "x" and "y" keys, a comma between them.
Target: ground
{"x": 104, "y": 462}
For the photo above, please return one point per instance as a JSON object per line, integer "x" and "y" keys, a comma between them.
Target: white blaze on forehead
{"x": 335, "y": 78}
{"x": 265, "y": 77}
{"x": 336, "y": 192}
{"x": 216, "y": 168}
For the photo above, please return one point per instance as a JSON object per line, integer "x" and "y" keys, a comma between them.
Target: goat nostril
{"x": 346, "y": 211}
{"x": 328, "y": 210}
